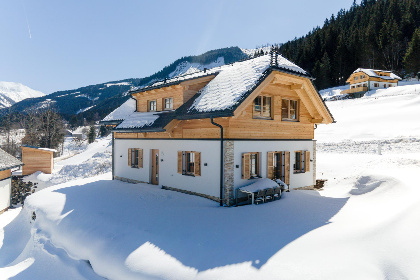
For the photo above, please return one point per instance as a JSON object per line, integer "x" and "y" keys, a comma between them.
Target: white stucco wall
{"x": 207, "y": 183}
{"x": 372, "y": 87}
{"x": 296, "y": 180}
{"x": 5, "y": 190}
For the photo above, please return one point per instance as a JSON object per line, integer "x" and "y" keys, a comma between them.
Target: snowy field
{"x": 364, "y": 224}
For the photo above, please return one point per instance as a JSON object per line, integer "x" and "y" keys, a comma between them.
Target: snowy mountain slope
{"x": 106, "y": 97}
{"x": 382, "y": 114}
{"x": 11, "y": 93}
{"x": 362, "y": 225}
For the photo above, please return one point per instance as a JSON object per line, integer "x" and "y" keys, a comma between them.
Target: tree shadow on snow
{"x": 195, "y": 231}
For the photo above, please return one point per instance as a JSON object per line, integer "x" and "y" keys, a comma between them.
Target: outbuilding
{"x": 7, "y": 163}
{"x": 37, "y": 159}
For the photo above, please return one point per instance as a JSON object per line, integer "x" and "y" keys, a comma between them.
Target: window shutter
{"x": 129, "y": 157}
{"x": 180, "y": 162}
{"x": 270, "y": 165}
{"x": 140, "y": 158}
{"x": 287, "y": 168}
{"x": 246, "y": 172}
{"x": 197, "y": 164}
{"x": 307, "y": 160}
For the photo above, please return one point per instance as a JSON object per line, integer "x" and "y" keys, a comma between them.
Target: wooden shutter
{"x": 307, "y": 160}
{"x": 246, "y": 171}
{"x": 270, "y": 165}
{"x": 180, "y": 162}
{"x": 197, "y": 164}
{"x": 287, "y": 168}
{"x": 129, "y": 157}
{"x": 140, "y": 158}
{"x": 258, "y": 164}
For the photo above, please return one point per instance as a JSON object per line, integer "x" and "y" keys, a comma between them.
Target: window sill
{"x": 289, "y": 120}
{"x": 186, "y": 174}
{"x": 298, "y": 172}
{"x": 255, "y": 177}
{"x": 133, "y": 166}
{"x": 261, "y": 118}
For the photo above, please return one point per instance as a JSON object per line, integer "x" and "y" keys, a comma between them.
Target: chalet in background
{"x": 210, "y": 132}
{"x": 363, "y": 80}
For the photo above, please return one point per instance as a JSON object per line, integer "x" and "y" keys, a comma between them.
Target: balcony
{"x": 355, "y": 90}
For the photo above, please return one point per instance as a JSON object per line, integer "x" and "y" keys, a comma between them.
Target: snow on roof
{"x": 122, "y": 112}
{"x": 234, "y": 80}
{"x": 372, "y": 73}
{"x": 260, "y": 184}
{"x": 139, "y": 120}
{"x": 39, "y": 148}
{"x": 8, "y": 161}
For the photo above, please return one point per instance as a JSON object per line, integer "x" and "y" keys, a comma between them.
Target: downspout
{"x": 221, "y": 159}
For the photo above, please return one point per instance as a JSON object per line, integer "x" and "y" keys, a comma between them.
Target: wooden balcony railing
{"x": 354, "y": 90}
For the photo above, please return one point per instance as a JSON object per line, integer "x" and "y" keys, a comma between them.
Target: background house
{"x": 363, "y": 80}
{"x": 7, "y": 163}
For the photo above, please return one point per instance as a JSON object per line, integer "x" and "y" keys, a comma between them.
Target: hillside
{"x": 96, "y": 101}
{"x": 11, "y": 93}
{"x": 373, "y": 34}
{"x": 366, "y": 217}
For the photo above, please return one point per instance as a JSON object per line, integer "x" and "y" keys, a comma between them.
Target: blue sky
{"x": 78, "y": 43}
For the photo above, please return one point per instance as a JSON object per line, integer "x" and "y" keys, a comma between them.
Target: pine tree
{"x": 412, "y": 56}
{"x": 92, "y": 134}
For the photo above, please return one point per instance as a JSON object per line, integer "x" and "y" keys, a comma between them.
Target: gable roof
{"x": 372, "y": 73}
{"x": 8, "y": 161}
{"x": 121, "y": 113}
{"x": 220, "y": 97}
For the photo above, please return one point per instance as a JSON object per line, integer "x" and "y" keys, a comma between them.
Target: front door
{"x": 155, "y": 167}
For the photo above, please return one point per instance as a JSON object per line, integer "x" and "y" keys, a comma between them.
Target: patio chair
{"x": 259, "y": 197}
{"x": 277, "y": 193}
{"x": 269, "y": 194}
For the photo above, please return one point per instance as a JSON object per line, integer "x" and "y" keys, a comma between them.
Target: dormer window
{"x": 289, "y": 110}
{"x": 169, "y": 103}
{"x": 262, "y": 107}
{"x": 152, "y": 105}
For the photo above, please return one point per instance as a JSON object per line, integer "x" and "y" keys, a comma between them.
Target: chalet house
{"x": 7, "y": 163}
{"x": 210, "y": 132}
{"x": 363, "y": 80}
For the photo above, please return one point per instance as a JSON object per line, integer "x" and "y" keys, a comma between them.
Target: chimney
{"x": 205, "y": 69}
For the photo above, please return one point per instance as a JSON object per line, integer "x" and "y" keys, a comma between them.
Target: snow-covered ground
{"x": 364, "y": 224}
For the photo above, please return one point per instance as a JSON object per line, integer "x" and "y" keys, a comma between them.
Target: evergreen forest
{"x": 379, "y": 34}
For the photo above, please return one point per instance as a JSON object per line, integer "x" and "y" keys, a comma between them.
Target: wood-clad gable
{"x": 243, "y": 125}
{"x": 180, "y": 93}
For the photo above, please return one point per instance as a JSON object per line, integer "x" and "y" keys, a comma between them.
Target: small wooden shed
{"x": 7, "y": 162}
{"x": 37, "y": 159}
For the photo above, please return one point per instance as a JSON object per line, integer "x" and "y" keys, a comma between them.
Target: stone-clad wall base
{"x": 314, "y": 162}
{"x": 191, "y": 193}
{"x": 228, "y": 172}
{"x": 128, "y": 180}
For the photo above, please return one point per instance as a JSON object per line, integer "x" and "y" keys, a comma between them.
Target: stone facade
{"x": 128, "y": 180}
{"x": 228, "y": 172}
{"x": 314, "y": 162}
{"x": 191, "y": 193}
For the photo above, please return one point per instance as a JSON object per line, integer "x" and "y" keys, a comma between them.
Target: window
{"x": 262, "y": 107}
{"x": 152, "y": 105}
{"x": 376, "y": 84}
{"x": 250, "y": 165}
{"x": 384, "y": 85}
{"x": 302, "y": 162}
{"x": 289, "y": 110}
{"x": 389, "y": 85}
{"x": 135, "y": 157}
{"x": 356, "y": 78}
{"x": 189, "y": 163}
{"x": 362, "y": 76}
{"x": 278, "y": 166}
{"x": 168, "y": 103}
